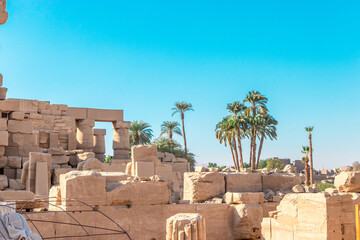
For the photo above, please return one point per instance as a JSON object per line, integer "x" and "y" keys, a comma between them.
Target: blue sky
{"x": 142, "y": 56}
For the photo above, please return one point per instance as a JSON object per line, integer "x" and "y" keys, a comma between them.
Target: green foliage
{"x": 263, "y": 164}
{"x": 246, "y": 165}
{"x": 323, "y": 186}
{"x": 181, "y": 107}
{"x": 169, "y": 128}
{"x": 274, "y": 163}
{"x": 107, "y": 159}
{"x": 214, "y": 165}
{"x": 140, "y": 133}
{"x": 171, "y": 146}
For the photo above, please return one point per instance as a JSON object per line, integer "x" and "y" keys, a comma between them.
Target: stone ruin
{"x": 52, "y": 162}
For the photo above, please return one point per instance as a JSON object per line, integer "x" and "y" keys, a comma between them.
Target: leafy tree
{"x": 182, "y": 107}
{"x": 246, "y": 165}
{"x": 267, "y": 130}
{"x": 274, "y": 163}
{"x": 140, "y": 133}
{"x": 305, "y": 150}
{"x": 262, "y": 164}
{"x": 214, "y": 165}
{"x": 309, "y": 130}
{"x": 170, "y": 128}
{"x": 108, "y": 159}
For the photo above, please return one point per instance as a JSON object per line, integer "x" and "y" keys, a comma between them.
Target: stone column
{"x": 99, "y": 144}
{"x": 121, "y": 142}
{"x": 3, "y": 13}
{"x": 84, "y": 135}
{"x": 186, "y": 226}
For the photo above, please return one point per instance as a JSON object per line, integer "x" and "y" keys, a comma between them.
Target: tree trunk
{"x": 254, "y": 155}
{"x": 251, "y": 147}
{"x": 236, "y": 152}
{"x": 233, "y": 156}
{"x": 311, "y": 161}
{"x": 260, "y": 149}
{"x": 240, "y": 148}
{"x": 307, "y": 173}
{"x": 183, "y": 128}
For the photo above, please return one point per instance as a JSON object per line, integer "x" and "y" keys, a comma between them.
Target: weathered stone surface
{"x": 4, "y": 138}
{"x": 16, "y": 184}
{"x": 60, "y": 159}
{"x": 114, "y": 176}
{"x": 244, "y": 198}
{"x": 16, "y": 196}
{"x": 85, "y": 156}
{"x": 17, "y": 116}
{"x": 15, "y": 126}
{"x": 3, "y": 124}
{"x": 3, "y": 91}
{"x": 289, "y": 169}
{"x": 3, "y": 161}
{"x": 243, "y": 182}
{"x": 3, "y": 182}
{"x": 348, "y": 182}
{"x": 186, "y": 226}
{"x": 91, "y": 164}
{"x": 200, "y": 169}
{"x": 298, "y": 189}
{"x": 56, "y": 174}
{"x": 280, "y": 181}
{"x": 144, "y": 153}
{"x": 247, "y": 221}
{"x": 144, "y": 169}
{"x": 199, "y": 187}
{"x": 86, "y": 186}
{"x": 137, "y": 193}
{"x": 14, "y": 161}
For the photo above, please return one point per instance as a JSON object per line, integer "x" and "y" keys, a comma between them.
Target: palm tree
{"x": 170, "y": 128}
{"x": 182, "y": 107}
{"x": 239, "y": 123}
{"x": 257, "y": 106}
{"x": 306, "y": 150}
{"x": 267, "y": 129}
{"x": 309, "y": 130}
{"x": 140, "y": 133}
{"x": 225, "y": 134}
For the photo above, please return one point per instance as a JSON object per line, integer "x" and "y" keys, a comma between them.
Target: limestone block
{"x": 144, "y": 153}
{"x": 169, "y": 157}
{"x": 297, "y": 189}
{"x": 121, "y": 124}
{"x": 289, "y": 169}
{"x": 56, "y": 174}
{"x": 180, "y": 167}
{"x": 247, "y": 221}
{"x": 1, "y": 76}
{"x": 3, "y": 91}
{"x": 348, "y": 182}
{"x": 16, "y": 196}
{"x": 18, "y": 173}
{"x": 243, "y": 182}
{"x": 2, "y": 150}
{"x": 99, "y": 131}
{"x": 244, "y": 198}
{"x": 86, "y": 186}
{"x": 165, "y": 171}
{"x": 71, "y": 141}
{"x": 137, "y": 193}
{"x": 21, "y": 139}
{"x": 14, "y": 161}
{"x": 35, "y": 116}
{"x": 84, "y": 134}
{"x": 60, "y": 159}
{"x": 15, "y": 126}
{"x": 3, "y": 182}
{"x": 33, "y": 173}
{"x": 161, "y": 155}
{"x": 16, "y": 184}
{"x": 105, "y": 115}
{"x": 200, "y": 169}
{"x": 4, "y": 138}
{"x": 92, "y": 164}
{"x": 17, "y": 116}
{"x": 145, "y": 169}
{"x": 3, "y": 124}
{"x": 186, "y": 226}
{"x": 53, "y": 140}
{"x": 199, "y": 187}
{"x": 121, "y": 154}
{"x": 85, "y": 156}
{"x": 10, "y": 172}
{"x": 22, "y": 151}
{"x": 3, "y": 161}
{"x": 115, "y": 176}
{"x": 180, "y": 160}
{"x": 280, "y": 181}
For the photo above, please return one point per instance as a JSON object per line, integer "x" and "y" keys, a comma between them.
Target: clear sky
{"x": 142, "y": 56}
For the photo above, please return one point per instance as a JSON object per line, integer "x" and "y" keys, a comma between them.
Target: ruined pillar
{"x": 35, "y": 175}
{"x": 186, "y": 226}
{"x": 3, "y": 12}
{"x": 99, "y": 144}
{"x": 84, "y": 135}
{"x": 121, "y": 142}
